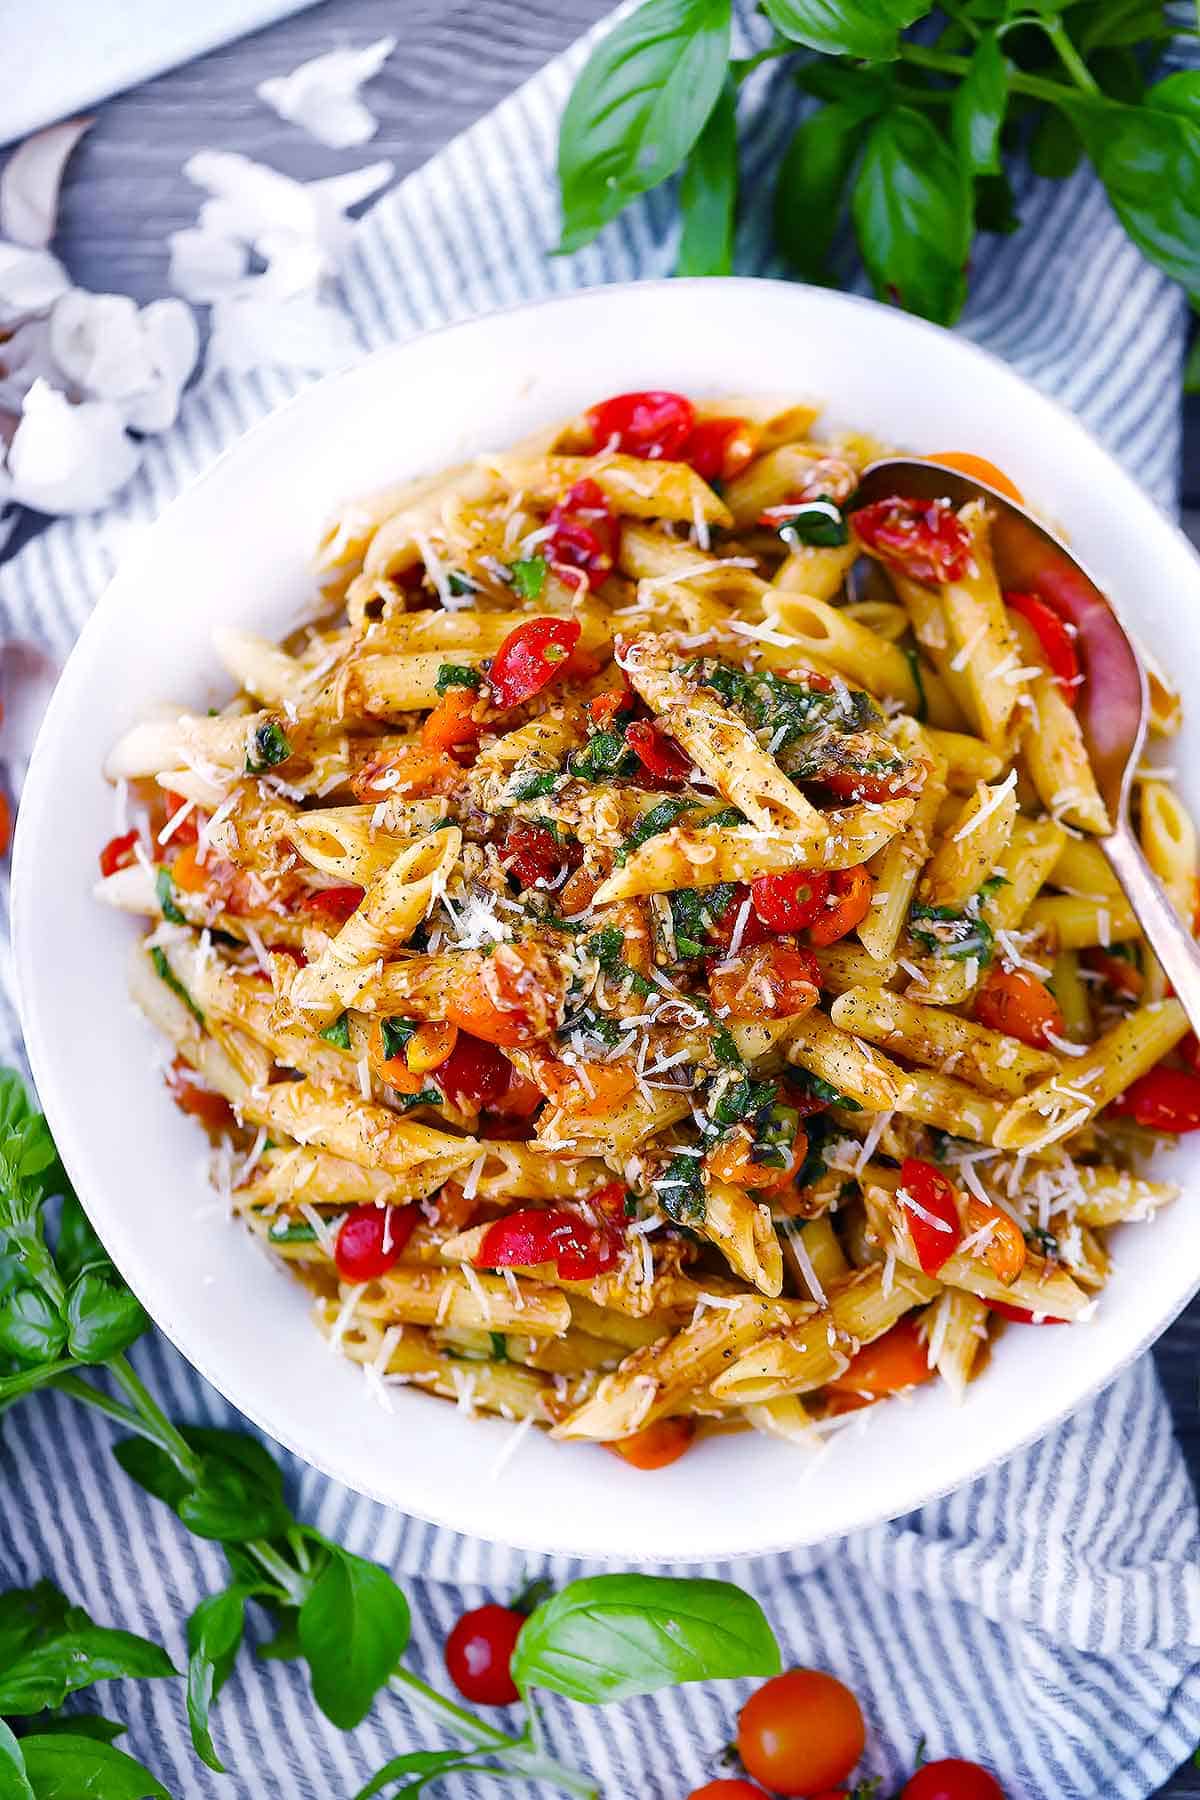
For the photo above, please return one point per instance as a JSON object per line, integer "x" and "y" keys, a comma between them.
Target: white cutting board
{"x": 61, "y": 56}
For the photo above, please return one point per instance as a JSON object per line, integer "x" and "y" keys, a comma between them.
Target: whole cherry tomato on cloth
{"x": 802, "y": 1732}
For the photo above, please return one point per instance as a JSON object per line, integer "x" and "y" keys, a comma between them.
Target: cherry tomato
{"x": 789, "y": 902}
{"x": 413, "y": 773}
{"x": 187, "y": 830}
{"x": 769, "y": 981}
{"x": 452, "y": 1208}
{"x": 801, "y": 1732}
{"x": 651, "y": 424}
{"x": 523, "y": 1239}
{"x": 873, "y": 785}
{"x": 602, "y": 709}
{"x": 726, "y": 1790}
{"x": 475, "y": 1074}
{"x": 586, "y": 1089}
{"x": 1016, "y": 1002}
{"x": 929, "y": 1201}
{"x": 191, "y": 1097}
{"x": 1057, "y": 639}
{"x": 584, "y": 535}
{"x": 720, "y": 933}
{"x": 529, "y": 659}
{"x": 370, "y": 1240}
{"x": 658, "y": 1445}
{"x": 509, "y": 998}
{"x": 733, "y": 1161}
{"x": 1005, "y": 1250}
{"x": 452, "y": 723}
{"x": 6, "y": 824}
{"x": 1163, "y": 1100}
{"x": 850, "y": 894}
{"x": 331, "y": 907}
{"x": 118, "y": 853}
{"x": 1123, "y": 977}
{"x": 897, "y": 1360}
{"x": 719, "y": 449}
{"x": 658, "y": 754}
{"x": 953, "y": 1779}
{"x": 532, "y": 853}
{"x": 979, "y": 469}
{"x": 922, "y": 538}
{"x": 1020, "y": 1315}
{"x": 478, "y": 1652}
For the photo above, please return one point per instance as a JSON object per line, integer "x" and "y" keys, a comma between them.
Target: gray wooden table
{"x": 456, "y": 58}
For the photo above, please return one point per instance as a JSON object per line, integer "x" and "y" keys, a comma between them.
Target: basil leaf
{"x": 912, "y": 214}
{"x": 353, "y": 1626}
{"x": 214, "y": 1633}
{"x": 163, "y": 969}
{"x": 979, "y": 105}
{"x": 29, "y": 1616}
{"x": 637, "y": 108}
{"x": 529, "y": 576}
{"x": 1178, "y": 93}
{"x": 14, "y": 1782}
{"x": 152, "y": 1469}
{"x": 78, "y": 1248}
{"x": 164, "y": 887}
{"x": 64, "y": 1766}
{"x": 103, "y": 1317}
{"x": 268, "y": 747}
{"x": 811, "y": 182}
{"x": 1148, "y": 158}
{"x": 612, "y": 1637}
{"x": 660, "y": 818}
{"x": 532, "y": 786}
{"x": 820, "y": 522}
{"x": 1121, "y": 22}
{"x": 237, "y": 1495}
{"x": 73, "y": 1659}
{"x": 285, "y": 1645}
{"x": 31, "y": 1327}
{"x": 995, "y": 205}
{"x": 708, "y": 192}
{"x": 395, "y": 1034}
{"x": 338, "y": 1033}
{"x": 1056, "y": 146}
{"x": 15, "y": 1104}
{"x": 866, "y": 28}
{"x": 88, "y": 1725}
{"x": 457, "y": 675}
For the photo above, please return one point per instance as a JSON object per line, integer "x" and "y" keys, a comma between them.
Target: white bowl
{"x": 233, "y": 551}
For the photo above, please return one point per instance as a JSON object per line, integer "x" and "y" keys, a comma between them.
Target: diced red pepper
{"x": 719, "y": 449}
{"x": 331, "y": 907}
{"x": 922, "y": 538}
{"x": 523, "y": 1239}
{"x": 658, "y": 754}
{"x": 118, "y": 853}
{"x": 929, "y": 1201}
{"x": 532, "y": 853}
{"x": 475, "y": 1074}
{"x": 371, "y": 1239}
{"x": 1057, "y": 638}
{"x": 584, "y": 535}
{"x": 1163, "y": 1100}
{"x": 530, "y": 658}
{"x": 792, "y": 901}
{"x": 652, "y": 424}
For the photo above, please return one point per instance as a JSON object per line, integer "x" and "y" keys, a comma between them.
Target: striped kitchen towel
{"x": 1044, "y": 1619}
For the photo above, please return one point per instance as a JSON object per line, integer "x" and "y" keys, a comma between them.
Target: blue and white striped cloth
{"x": 1046, "y": 1619}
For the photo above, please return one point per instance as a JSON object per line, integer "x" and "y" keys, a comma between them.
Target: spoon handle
{"x": 1167, "y": 934}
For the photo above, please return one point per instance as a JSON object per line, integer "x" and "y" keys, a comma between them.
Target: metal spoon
{"x": 1113, "y": 702}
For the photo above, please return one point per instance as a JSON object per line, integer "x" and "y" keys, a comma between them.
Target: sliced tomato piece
{"x": 849, "y": 902}
{"x": 929, "y": 1201}
{"x": 1016, "y": 1002}
{"x": 452, "y": 723}
{"x": 528, "y": 1237}
{"x": 769, "y": 981}
{"x": 585, "y": 535}
{"x": 330, "y": 907}
{"x": 371, "y": 1240}
{"x": 925, "y": 539}
{"x": 1056, "y": 636}
{"x": 658, "y": 754}
{"x": 1021, "y": 1315}
{"x": 532, "y": 853}
{"x": 792, "y": 901}
{"x": 653, "y": 423}
{"x": 1163, "y": 1100}
{"x": 658, "y": 1445}
{"x": 118, "y": 853}
{"x": 530, "y": 658}
{"x": 897, "y": 1360}
{"x": 199, "y": 1102}
{"x": 719, "y": 449}
{"x": 475, "y": 1074}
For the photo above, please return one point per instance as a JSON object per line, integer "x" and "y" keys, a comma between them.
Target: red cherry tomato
{"x": 719, "y": 449}
{"x": 523, "y": 1239}
{"x": 658, "y": 754}
{"x": 720, "y": 932}
{"x": 371, "y": 1239}
{"x": 584, "y": 535}
{"x": 848, "y": 905}
{"x": 789, "y": 902}
{"x": 529, "y": 659}
{"x": 475, "y": 1074}
{"x": 651, "y": 424}
{"x": 1123, "y": 977}
{"x": 658, "y": 1445}
{"x": 953, "y": 1779}
{"x": 727, "y": 1790}
{"x": 118, "y": 853}
{"x": 1016, "y": 1002}
{"x": 1163, "y": 1100}
{"x": 1057, "y": 639}
{"x": 922, "y": 538}
{"x": 602, "y": 709}
{"x": 478, "y": 1653}
{"x": 801, "y": 1732}
{"x": 532, "y": 853}
{"x": 331, "y": 907}
{"x": 187, "y": 830}
{"x": 851, "y": 784}
{"x": 929, "y": 1201}
{"x": 190, "y": 1096}
{"x": 1020, "y": 1315}
{"x": 770, "y": 981}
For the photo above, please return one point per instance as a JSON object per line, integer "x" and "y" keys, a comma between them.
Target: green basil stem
{"x": 1033, "y": 85}
{"x": 295, "y": 1584}
{"x": 520, "y": 1755}
{"x": 167, "y": 1438}
{"x": 1069, "y": 56}
{"x": 39, "y": 1264}
{"x": 27, "y": 1381}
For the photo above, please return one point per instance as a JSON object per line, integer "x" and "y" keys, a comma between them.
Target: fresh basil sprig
{"x": 909, "y": 135}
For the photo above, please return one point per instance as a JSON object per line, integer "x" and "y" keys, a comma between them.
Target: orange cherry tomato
{"x": 452, "y": 1208}
{"x": 770, "y": 981}
{"x": 586, "y": 1089}
{"x": 452, "y": 722}
{"x": 731, "y": 1161}
{"x": 510, "y": 999}
{"x": 801, "y": 1732}
{"x": 1016, "y": 1002}
{"x": 1005, "y": 1250}
{"x": 979, "y": 469}
{"x": 413, "y": 773}
{"x": 657, "y": 1445}
{"x": 188, "y": 872}
{"x": 1123, "y": 977}
{"x": 895, "y": 1361}
{"x": 851, "y": 891}
{"x": 193, "y": 1098}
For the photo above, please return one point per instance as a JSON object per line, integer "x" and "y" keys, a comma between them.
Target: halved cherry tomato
{"x": 199, "y": 1102}
{"x": 452, "y": 723}
{"x": 922, "y": 538}
{"x": 789, "y": 902}
{"x": 602, "y": 709}
{"x": 520, "y": 1099}
{"x": 1016, "y": 1002}
{"x": 658, "y": 754}
{"x": 371, "y": 1239}
{"x": 871, "y": 785}
{"x": 452, "y": 1208}
{"x": 330, "y": 907}
{"x": 719, "y": 449}
{"x": 1005, "y": 1250}
{"x": 585, "y": 535}
{"x": 1188, "y": 1052}
{"x": 658, "y": 1445}
{"x": 727, "y": 1790}
{"x": 509, "y": 998}
{"x": 118, "y": 853}
{"x": 769, "y": 981}
{"x": 1163, "y": 1100}
{"x": 475, "y": 1074}
{"x": 953, "y": 1779}
{"x": 979, "y": 469}
{"x": 187, "y": 830}
{"x": 532, "y": 853}
{"x": 578, "y": 890}
{"x": 732, "y": 1161}
{"x": 897, "y": 1360}
{"x": 1020, "y": 1315}
{"x": 850, "y": 893}
{"x": 1057, "y": 638}
{"x": 530, "y": 658}
{"x": 523, "y": 1239}
{"x": 1123, "y": 977}
{"x": 720, "y": 933}
{"x": 429, "y": 1046}
{"x": 189, "y": 873}
{"x": 609, "y": 1201}
{"x": 478, "y": 1653}
{"x": 652, "y": 424}
{"x": 586, "y": 1089}
{"x": 929, "y": 1201}
{"x": 6, "y": 824}
{"x": 413, "y": 773}
{"x": 801, "y": 1732}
